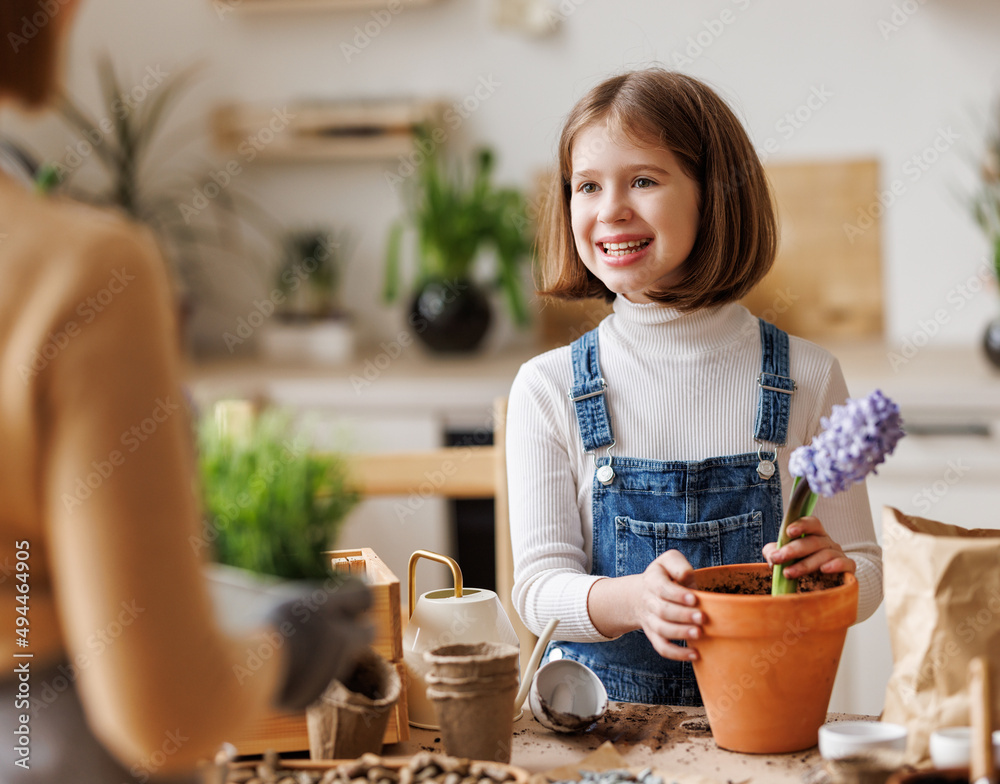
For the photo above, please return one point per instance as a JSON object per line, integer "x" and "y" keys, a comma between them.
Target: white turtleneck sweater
{"x": 680, "y": 387}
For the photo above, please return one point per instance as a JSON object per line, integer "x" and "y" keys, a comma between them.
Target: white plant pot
{"x": 243, "y": 599}
{"x": 329, "y": 342}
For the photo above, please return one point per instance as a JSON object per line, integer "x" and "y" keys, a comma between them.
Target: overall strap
{"x": 776, "y": 387}
{"x": 587, "y": 393}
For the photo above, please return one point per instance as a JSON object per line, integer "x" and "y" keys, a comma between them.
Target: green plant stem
{"x": 996, "y": 257}
{"x": 801, "y": 504}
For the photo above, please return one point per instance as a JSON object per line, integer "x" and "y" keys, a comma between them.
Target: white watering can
{"x": 447, "y": 616}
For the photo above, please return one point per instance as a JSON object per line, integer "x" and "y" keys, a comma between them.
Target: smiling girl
{"x": 658, "y": 442}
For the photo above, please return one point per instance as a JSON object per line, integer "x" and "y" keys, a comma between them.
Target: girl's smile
{"x": 634, "y": 212}
{"x": 623, "y": 247}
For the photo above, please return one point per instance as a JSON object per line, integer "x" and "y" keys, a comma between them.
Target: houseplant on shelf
{"x": 771, "y": 646}
{"x": 201, "y": 226}
{"x": 455, "y": 219}
{"x": 310, "y": 325}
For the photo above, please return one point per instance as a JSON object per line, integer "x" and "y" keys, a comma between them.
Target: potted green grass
{"x": 272, "y": 504}
{"x": 310, "y": 323}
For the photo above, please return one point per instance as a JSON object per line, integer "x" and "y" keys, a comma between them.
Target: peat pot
{"x": 767, "y": 663}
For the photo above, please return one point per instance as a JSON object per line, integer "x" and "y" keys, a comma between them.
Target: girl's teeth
{"x": 624, "y": 248}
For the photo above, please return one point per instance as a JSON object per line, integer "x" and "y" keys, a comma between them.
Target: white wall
{"x": 891, "y": 91}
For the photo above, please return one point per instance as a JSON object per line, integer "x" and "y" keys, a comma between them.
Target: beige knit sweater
{"x": 96, "y": 479}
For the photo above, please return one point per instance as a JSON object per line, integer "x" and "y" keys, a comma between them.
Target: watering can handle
{"x": 451, "y": 563}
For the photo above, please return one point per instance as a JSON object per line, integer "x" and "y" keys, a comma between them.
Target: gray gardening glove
{"x": 325, "y": 632}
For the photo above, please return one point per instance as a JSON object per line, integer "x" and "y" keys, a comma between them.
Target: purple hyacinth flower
{"x": 856, "y": 437}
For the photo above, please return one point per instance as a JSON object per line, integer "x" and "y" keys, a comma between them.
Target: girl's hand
{"x": 817, "y": 551}
{"x": 667, "y": 610}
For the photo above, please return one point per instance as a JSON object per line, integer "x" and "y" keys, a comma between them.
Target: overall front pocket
{"x": 737, "y": 539}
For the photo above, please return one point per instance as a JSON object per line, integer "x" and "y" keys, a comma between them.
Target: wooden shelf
{"x": 323, "y": 130}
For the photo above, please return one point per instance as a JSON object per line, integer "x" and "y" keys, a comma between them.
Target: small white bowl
{"x": 951, "y": 747}
{"x": 841, "y": 739}
{"x": 567, "y": 696}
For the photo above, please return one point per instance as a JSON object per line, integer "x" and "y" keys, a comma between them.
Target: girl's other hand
{"x": 812, "y": 544}
{"x": 667, "y": 610}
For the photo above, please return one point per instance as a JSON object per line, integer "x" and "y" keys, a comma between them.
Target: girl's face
{"x": 634, "y": 212}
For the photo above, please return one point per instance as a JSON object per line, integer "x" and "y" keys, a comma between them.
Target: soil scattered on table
{"x": 629, "y": 724}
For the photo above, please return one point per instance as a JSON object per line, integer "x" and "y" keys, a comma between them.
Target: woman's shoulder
{"x": 59, "y": 236}
{"x": 102, "y": 240}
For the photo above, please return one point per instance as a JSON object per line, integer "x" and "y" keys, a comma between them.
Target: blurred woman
{"x": 117, "y": 670}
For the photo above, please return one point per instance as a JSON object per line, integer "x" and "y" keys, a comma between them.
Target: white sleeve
{"x": 551, "y": 565}
{"x": 847, "y": 516}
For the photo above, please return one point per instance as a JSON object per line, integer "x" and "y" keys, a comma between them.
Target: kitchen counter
{"x": 956, "y": 378}
{"x": 453, "y": 390}
{"x": 673, "y": 740}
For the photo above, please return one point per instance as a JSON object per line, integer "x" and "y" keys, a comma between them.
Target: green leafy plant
{"x": 455, "y": 217}
{"x": 272, "y": 504}
{"x": 149, "y": 175}
{"x": 311, "y": 273}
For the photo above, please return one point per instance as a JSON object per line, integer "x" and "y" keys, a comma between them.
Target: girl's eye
{"x": 587, "y": 187}
{"x": 643, "y": 182}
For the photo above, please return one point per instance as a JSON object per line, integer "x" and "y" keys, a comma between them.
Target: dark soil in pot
{"x": 760, "y": 585}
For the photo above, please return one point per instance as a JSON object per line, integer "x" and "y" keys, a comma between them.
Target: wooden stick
{"x": 981, "y": 767}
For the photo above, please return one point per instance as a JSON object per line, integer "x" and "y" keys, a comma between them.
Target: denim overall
{"x": 722, "y": 510}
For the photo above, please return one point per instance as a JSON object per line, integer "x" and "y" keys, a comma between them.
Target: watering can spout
{"x": 532, "y": 665}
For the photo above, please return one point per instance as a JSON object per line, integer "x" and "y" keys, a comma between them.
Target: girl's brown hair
{"x": 29, "y": 48}
{"x": 737, "y": 233}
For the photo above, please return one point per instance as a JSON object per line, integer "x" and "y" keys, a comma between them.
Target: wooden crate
{"x": 384, "y": 586}
{"x": 287, "y": 732}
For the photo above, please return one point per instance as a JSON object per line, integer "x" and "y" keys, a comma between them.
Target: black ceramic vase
{"x": 991, "y": 342}
{"x": 450, "y": 316}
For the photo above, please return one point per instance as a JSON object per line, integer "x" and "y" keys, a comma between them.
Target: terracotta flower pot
{"x": 767, "y": 663}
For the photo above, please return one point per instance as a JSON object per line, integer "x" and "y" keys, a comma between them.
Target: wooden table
{"x": 673, "y": 740}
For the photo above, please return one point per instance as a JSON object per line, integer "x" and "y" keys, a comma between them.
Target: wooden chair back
{"x": 458, "y": 472}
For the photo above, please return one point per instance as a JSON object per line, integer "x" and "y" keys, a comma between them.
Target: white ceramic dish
{"x": 951, "y": 747}
{"x": 849, "y": 738}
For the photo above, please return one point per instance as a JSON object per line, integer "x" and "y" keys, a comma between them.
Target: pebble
{"x": 616, "y": 777}
{"x": 422, "y": 768}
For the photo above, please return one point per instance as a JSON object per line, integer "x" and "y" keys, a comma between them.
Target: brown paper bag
{"x": 942, "y": 602}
